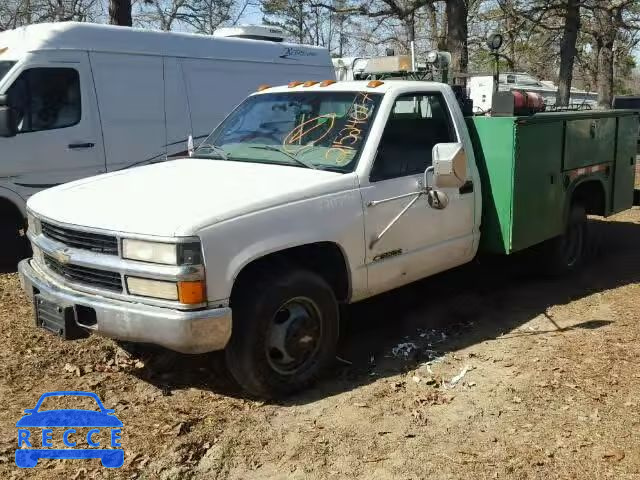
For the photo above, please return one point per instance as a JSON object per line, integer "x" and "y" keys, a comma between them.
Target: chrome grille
{"x": 94, "y": 242}
{"x": 84, "y": 275}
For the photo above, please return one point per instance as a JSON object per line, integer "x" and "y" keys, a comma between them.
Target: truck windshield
{"x": 5, "y": 66}
{"x": 320, "y": 130}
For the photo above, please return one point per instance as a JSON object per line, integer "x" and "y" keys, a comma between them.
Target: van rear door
{"x": 59, "y": 137}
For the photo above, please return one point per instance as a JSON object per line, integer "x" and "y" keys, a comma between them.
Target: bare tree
{"x": 120, "y": 12}
{"x": 606, "y": 23}
{"x": 457, "y": 35}
{"x": 568, "y": 51}
{"x": 16, "y": 13}
{"x": 199, "y": 16}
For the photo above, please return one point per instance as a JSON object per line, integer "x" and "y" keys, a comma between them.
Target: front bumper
{"x": 183, "y": 331}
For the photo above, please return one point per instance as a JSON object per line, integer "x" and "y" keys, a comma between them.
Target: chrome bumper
{"x": 183, "y": 331}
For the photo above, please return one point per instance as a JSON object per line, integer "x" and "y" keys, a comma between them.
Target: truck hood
{"x": 180, "y": 197}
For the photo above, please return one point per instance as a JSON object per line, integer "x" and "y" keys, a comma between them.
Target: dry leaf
{"x": 615, "y": 454}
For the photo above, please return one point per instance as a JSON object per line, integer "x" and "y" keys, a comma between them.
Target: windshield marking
{"x": 295, "y": 136}
{"x": 359, "y": 114}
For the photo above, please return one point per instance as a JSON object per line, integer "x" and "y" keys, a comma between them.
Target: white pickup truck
{"x": 305, "y": 197}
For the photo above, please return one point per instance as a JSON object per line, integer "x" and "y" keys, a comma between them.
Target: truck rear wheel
{"x": 285, "y": 332}
{"x": 566, "y": 253}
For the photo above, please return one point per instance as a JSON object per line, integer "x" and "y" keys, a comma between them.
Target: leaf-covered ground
{"x": 483, "y": 372}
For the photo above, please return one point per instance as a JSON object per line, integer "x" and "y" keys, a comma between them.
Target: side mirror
{"x": 8, "y": 119}
{"x": 449, "y": 166}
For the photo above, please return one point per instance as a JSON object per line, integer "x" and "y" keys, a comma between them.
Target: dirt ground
{"x": 482, "y": 372}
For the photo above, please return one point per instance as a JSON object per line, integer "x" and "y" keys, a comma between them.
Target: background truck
{"x": 308, "y": 196}
{"x": 79, "y": 99}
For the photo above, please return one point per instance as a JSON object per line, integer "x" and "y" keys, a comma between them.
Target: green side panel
{"x": 493, "y": 142}
{"x": 538, "y": 193}
{"x": 624, "y": 169}
{"x": 589, "y": 142}
{"x": 524, "y": 165}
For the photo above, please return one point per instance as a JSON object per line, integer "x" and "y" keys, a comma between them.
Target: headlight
{"x": 164, "y": 253}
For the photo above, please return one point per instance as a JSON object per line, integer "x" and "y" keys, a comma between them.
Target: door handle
{"x": 81, "y": 145}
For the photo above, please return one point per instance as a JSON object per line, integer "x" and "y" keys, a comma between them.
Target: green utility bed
{"x": 532, "y": 169}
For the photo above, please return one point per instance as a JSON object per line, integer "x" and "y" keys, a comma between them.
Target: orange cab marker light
{"x": 3, "y": 49}
{"x": 294, "y": 84}
{"x": 309, "y": 83}
{"x": 326, "y": 83}
{"x": 191, "y": 293}
{"x": 263, "y": 87}
{"x": 374, "y": 83}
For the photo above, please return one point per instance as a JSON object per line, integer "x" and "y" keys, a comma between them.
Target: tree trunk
{"x": 300, "y": 22}
{"x": 457, "y": 36}
{"x": 605, "y": 74}
{"x": 568, "y": 51}
{"x": 606, "y": 40}
{"x": 120, "y": 12}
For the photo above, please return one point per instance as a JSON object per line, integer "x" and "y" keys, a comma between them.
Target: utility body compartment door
{"x": 625, "y": 166}
{"x": 59, "y": 138}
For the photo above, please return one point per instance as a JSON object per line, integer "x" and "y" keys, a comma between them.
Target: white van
{"x": 79, "y": 99}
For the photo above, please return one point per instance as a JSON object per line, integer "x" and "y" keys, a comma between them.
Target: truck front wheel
{"x": 285, "y": 332}
{"x": 566, "y": 253}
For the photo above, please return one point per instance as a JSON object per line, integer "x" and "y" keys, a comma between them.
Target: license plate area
{"x": 57, "y": 318}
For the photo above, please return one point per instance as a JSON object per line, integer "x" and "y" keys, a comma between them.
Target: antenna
{"x": 190, "y": 145}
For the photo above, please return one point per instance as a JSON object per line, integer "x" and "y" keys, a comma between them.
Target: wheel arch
{"x": 11, "y": 211}
{"x": 324, "y": 258}
{"x": 591, "y": 193}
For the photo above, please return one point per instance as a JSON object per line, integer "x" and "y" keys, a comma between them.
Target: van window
{"x": 415, "y": 125}
{"x": 46, "y": 99}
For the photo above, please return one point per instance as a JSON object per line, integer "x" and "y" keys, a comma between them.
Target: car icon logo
{"x": 29, "y": 452}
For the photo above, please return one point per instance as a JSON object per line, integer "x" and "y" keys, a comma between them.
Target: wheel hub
{"x": 294, "y": 335}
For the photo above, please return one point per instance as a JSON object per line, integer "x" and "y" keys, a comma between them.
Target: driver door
{"x": 424, "y": 240}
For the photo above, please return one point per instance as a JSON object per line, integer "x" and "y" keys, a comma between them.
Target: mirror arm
{"x": 373, "y": 203}
{"x": 397, "y": 217}
{"x": 429, "y": 170}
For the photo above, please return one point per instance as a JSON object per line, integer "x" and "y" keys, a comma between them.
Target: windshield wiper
{"x": 273, "y": 148}
{"x": 219, "y": 152}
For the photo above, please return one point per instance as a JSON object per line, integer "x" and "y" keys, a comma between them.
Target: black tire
{"x": 566, "y": 253}
{"x": 285, "y": 332}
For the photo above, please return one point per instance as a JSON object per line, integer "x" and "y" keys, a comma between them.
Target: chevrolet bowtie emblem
{"x": 61, "y": 256}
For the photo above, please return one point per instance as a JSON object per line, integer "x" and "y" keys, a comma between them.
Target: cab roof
{"x": 384, "y": 86}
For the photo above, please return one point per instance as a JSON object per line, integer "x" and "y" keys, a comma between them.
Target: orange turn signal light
{"x": 326, "y": 83}
{"x": 374, "y": 83}
{"x": 263, "y": 87}
{"x": 309, "y": 83}
{"x": 294, "y": 84}
{"x": 192, "y": 293}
